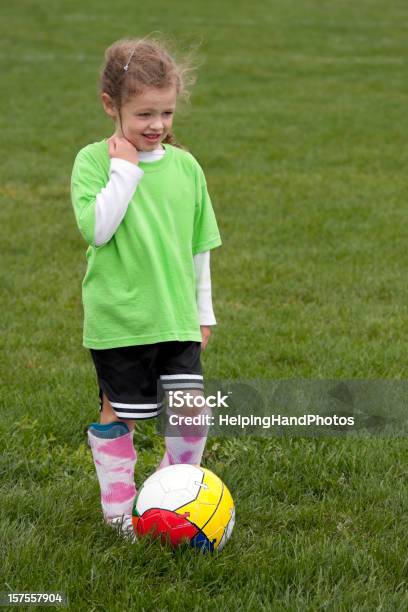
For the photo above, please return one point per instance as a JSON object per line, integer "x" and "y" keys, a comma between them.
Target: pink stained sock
{"x": 186, "y": 444}
{"x": 115, "y": 461}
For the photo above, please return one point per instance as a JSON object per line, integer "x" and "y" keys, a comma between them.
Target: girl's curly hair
{"x": 150, "y": 63}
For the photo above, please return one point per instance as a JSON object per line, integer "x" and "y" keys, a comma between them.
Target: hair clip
{"x": 126, "y": 66}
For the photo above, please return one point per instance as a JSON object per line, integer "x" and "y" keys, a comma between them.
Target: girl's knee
{"x": 108, "y": 415}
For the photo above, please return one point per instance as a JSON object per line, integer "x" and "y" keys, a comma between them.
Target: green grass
{"x": 299, "y": 120}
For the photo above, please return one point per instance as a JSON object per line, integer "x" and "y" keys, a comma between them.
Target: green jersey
{"x": 139, "y": 287}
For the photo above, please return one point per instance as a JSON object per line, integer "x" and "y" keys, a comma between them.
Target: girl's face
{"x": 145, "y": 119}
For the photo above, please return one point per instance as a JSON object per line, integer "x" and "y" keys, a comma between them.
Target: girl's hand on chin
{"x": 122, "y": 148}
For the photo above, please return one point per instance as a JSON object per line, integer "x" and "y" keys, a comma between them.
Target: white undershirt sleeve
{"x": 203, "y": 289}
{"x": 112, "y": 201}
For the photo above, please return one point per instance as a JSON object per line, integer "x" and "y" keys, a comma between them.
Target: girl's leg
{"x": 115, "y": 458}
{"x": 108, "y": 415}
{"x": 185, "y": 443}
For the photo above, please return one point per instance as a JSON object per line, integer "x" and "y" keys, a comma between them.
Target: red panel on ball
{"x": 165, "y": 524}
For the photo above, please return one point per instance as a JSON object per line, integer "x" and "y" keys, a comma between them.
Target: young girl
{"x": 141, "y": 203}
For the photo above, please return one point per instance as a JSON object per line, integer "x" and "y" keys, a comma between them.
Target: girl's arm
{"x": 203, "y": 289}
{"x": 112, "y": 201}
{"x": 100, "y": 205}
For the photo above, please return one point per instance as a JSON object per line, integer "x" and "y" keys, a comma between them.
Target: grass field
{"x": 299, "y": 120}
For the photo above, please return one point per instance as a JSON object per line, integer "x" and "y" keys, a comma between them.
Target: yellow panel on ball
{"x": 201, "y": 509}
{"x": 214, "y": 529}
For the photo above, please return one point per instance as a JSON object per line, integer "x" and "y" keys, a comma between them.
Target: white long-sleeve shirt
{"x": 111, "y": 206}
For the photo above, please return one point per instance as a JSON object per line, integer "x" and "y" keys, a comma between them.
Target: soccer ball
{"x": 183, "y": 502}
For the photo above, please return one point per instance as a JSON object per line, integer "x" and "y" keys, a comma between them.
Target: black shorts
{"x": 133, "y": 378}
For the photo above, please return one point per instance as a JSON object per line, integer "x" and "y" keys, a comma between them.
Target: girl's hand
{"x": 205, "y": 335}
{"x": 122, "y": 148}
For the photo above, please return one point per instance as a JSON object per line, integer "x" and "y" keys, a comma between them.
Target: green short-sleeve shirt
{"x": 139, "y": 288}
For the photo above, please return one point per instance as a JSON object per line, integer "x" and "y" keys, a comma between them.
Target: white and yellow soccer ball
{"x": 184, "y": 502}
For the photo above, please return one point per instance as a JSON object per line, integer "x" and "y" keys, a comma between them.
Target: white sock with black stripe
{"x": 187, "y": 442}
{"x": 186, "y": 445}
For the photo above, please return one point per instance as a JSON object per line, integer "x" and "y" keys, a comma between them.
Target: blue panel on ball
{"x": 201, "y": 541}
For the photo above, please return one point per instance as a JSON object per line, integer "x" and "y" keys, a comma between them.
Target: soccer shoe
{"x": 123, "y": 525}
